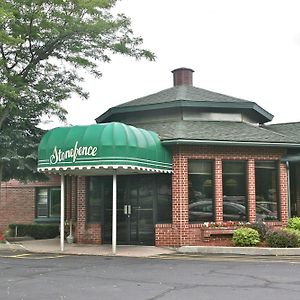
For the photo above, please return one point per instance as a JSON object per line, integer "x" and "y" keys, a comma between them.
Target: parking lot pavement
{"x": 232, "y": 258}
{"x": 35, "y": 276}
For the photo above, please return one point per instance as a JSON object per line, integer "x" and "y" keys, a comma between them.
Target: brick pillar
{"x": 218, "y": 191}
{"x": 283, "y": 193}
{"x": 251, "y": 191}
{"x": 68, "y": 203}
{"x": 180, "y": 205}
{"x": 81, "y": 209}
{"x": 74, "y": 197}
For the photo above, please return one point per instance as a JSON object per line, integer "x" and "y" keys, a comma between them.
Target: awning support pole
{"x": 114, "y": 214}
{"x": 62, "y": 211}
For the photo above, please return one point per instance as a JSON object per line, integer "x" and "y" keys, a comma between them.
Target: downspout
{"x": 288, "y": 189}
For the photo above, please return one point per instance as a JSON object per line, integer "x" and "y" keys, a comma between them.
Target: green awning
{"x": 108, "y": 145}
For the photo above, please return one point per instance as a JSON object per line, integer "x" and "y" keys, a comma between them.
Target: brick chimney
{"x": 183, "y": 76}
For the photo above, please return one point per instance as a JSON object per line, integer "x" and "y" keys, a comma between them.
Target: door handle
{"x": 129, "y": 209}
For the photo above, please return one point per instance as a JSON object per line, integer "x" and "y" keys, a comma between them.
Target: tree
{"x": 18, "y": 152}
{"x": 43, "y": 44}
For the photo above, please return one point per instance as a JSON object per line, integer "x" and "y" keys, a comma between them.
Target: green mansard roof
{"x": 188, "y": 96}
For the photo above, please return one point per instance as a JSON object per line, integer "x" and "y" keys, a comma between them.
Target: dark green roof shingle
{"x": 187, "y": 96}
{"x": 182, "y": 92}
{"x": 288, "y": 129}
{"x": 217, "y": 131}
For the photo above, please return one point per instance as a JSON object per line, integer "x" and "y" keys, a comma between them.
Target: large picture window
{"x": 266, "y": 182}
{"x": 48, "y": 203}
{"x": 234, "y": 191}
{"x": 201, "y": 191}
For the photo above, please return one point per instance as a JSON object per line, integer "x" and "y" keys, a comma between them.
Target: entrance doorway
{"x": 142, "y": 202}
{"x": 135, "y": 211}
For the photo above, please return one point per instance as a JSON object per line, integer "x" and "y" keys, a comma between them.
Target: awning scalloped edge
{"x": 113, "y": 167}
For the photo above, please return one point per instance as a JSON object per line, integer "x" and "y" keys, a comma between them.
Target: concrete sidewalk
{"x": 53, "y": 246}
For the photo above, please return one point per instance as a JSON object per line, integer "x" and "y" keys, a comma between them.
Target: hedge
{"x": 37, "y": 231}
{"x": 282, "y": 239}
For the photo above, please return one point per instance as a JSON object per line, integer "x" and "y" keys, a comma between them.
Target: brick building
{"x": 19, "y": 202}
{"x": 162, "y": 169}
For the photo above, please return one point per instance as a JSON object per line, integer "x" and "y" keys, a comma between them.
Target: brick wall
{"x": 180, "y": 232}
{"x": 17, "y": 202}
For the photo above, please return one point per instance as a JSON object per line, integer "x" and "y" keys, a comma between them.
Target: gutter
{"x": 227, "y": 143}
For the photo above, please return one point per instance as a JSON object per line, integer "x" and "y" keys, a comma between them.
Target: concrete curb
{"x": 258, "y": 251}
{"x": 12, "y": 246}
{"x": 239, "y": 250}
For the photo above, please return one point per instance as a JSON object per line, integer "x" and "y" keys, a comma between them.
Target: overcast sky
{"x": 248, "y": 49}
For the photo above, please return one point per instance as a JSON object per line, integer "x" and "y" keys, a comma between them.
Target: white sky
{"x": 248, "y": 49}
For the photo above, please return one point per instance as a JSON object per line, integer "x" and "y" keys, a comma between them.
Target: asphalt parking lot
{"x": 31, "y": 276}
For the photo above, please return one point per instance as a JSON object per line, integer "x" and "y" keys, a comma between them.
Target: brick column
{"x": 283, "y": 193}
{"x": 180, "y": 205}
{"x": 81, "y": 209}
{"x": 251, "y": 191}
{"x": 74, "y": 197}
{"x": 218, "y": 190}
{"x": 68, "y": 203}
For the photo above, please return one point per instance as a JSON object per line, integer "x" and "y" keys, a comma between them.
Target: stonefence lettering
{"x": 58, "y": 155}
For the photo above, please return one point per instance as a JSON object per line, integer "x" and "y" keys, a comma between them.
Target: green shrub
{"x": 37, "y": 231}
{"x": 294, "y": 223}
{"x": 245, "y": 237}
{"x": 294, "y": 231}
{"x": 282, "y": 239}
{"x": 262, "y": 228}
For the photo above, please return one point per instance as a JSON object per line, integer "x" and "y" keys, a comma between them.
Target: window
{"x": 266, "y": 183}
{"x": 164, "y": 199}
{"x": 48, "y": 203}
{"x": 234, "y": 191}
{"x": 99, "y": 190}
{"x": 201, "y": 191}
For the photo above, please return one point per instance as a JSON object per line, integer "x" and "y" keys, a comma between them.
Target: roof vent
{"x": 183, "y": 76}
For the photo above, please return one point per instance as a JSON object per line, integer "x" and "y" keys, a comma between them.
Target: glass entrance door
{"x": 135, "y": 201}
